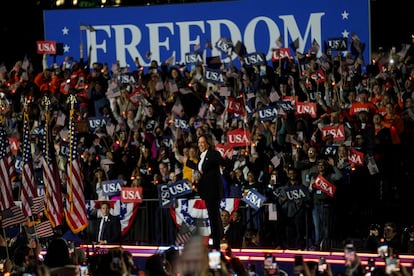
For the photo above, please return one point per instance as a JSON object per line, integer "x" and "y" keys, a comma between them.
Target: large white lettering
{"x": 167, "y": 39}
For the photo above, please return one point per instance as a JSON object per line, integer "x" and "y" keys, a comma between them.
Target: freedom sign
{"x": 118, "y": 34}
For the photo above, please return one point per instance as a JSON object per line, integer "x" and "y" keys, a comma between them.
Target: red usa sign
{"x": 321, "y": 183}
{"x": 306, "y": 108}
{"x": 356, "y": 157}
{"x": 338, "y": 133}
{"x": 280, "y": 53}
{"x": 14, "y": 144}
{"x": 131, "y": 194}
{"x": 224, "y": 150}
{"x": 238, "y": 138}
{"x": 46, "y": 47}
{"x": 235, "y": 106}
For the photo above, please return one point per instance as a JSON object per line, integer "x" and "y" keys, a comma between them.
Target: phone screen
{"x": 322, "y": 264}
{"x": 392, "y": 264}
{"x": 298, "y": 264}
{"x": 268, "y": 261}
{"x": 214, "y": 260}
{"x": 84, "y": 270}
{"x": 349, "y": 256}
{"x": 383, "y": 251}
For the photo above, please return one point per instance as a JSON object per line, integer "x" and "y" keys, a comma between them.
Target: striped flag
{"x": 12, "y": 216}
{"x": 29, "y": 189}
{"x": 75, "y": 207}
{"x": 125, "y": 210}
{"x": 38, "y": 204}
{"x": 44, "y": 229}
{"x": 53, "y": 197}
{"x": 193, "y": 212}
{"x": 184, "y": 235}
{"x": 7, "y": 172}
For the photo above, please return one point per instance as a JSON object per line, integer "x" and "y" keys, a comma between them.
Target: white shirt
{"x": 103, "y": 220}
{"x": 202, "y": 157}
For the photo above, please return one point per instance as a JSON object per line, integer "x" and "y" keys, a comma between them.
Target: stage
{"x": 283, "y": 258}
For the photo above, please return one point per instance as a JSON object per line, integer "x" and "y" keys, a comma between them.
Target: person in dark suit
{"x": 108, "y": 227}
{"x": 210, "y": 186}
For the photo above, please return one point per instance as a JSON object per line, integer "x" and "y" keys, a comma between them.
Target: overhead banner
{"x": 125, "y": 33}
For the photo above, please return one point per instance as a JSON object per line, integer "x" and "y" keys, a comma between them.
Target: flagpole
{"x": 46, "y": 103}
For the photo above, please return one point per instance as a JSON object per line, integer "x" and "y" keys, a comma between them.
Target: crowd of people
{"x": 333, "y": 157}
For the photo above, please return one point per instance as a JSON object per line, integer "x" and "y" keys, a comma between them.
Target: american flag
{"x": 53, "y": 199}
{"x": 7, "y": 172}
{"x": 38, "y": 204}
{"x": 184, "y": 234}
{"x": 29, "y": 189}
{"x": 193, "y": 212}
{"x": 44, "y": 229}
{"x": 12, "y": 216}
{"x": 75, "y": 207}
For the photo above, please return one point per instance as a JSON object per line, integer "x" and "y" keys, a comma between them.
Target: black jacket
{"x": 210, "y": 185}
{"x": 112, "y": 229}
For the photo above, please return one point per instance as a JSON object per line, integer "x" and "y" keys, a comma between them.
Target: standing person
{"x": 108, "y": 227}
{"x": 294, "y": 199}
{"x": 210, "y": 186}
{"x": 323, "y": 203}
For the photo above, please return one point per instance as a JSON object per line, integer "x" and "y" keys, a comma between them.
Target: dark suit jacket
{"x": 112, "y": 230}
{"x": 210, "y": 185}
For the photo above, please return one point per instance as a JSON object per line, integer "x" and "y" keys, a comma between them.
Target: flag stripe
{"x": 75, "y": 207}
{"x": 44, "y": 229}
{"x": 7, "y": 171}
{"x": 12, "y": 216}
{"x": 38, "y": 204}
{"x": 29, "y": 190}
{"x": 53, "y": 199}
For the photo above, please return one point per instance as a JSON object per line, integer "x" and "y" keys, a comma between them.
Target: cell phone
{"x": 268, "y": 261}
{"x": 349, "y": 256}
{"x": 322, "y": 264}
{"x": 392, "y": 263}
{"x": 116, "y": 260}
{"x": 214, "y": 260}
{"x": 382, "y": 250}
{"x": 298, "y": 260}
{"x": 84, "y": 270}
{"x": 298, "y": 264}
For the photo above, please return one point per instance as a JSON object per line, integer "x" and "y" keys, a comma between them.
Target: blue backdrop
{"x": 123, "y": 34}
